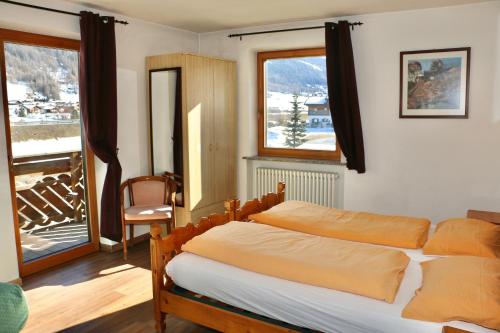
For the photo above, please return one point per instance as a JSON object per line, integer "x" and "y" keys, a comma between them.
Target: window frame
{"x": 262, "y": 57}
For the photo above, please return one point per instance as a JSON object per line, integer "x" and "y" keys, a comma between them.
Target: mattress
{"x": 304, "y": 305}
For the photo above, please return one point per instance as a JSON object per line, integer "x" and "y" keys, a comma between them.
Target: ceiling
{"x": 212, "y": 15}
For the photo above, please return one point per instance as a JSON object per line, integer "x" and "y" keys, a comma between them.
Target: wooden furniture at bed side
{"x": 254, "y": 206}
{"x": 168, "y": 199}
{"x": 492, "y": 217}
{"x": 209, "y": 137}
{"x": 163, "y": 249}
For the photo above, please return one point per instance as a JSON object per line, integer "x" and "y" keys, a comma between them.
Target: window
{"x": 294, "y": 114}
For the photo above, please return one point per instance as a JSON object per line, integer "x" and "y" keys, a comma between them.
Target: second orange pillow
{"x": 463, "y": 236}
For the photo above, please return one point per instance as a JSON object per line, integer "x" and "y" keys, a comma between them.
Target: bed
{"x": 230, "y": 299}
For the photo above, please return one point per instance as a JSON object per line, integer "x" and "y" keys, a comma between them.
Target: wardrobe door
{"x": 199, "y": 80}
{"x": 224, "y": 129}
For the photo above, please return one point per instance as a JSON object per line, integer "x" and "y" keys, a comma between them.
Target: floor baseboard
{"x": 17, "y": 281}
{"x": 119, "y": 246}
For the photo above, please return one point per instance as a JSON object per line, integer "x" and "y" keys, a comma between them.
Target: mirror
{"x": 166, "y": 125}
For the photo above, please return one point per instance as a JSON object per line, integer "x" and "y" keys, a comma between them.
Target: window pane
{"x": 296, "y": 104}
{"x": 42, "y": 88}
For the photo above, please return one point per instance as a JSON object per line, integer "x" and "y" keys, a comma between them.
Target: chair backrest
{"x": 149, "y": 190}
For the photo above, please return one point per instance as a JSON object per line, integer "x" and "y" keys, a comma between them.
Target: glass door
{"x": 51, "y": 175}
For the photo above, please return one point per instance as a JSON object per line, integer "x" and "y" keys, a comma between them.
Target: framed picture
{"x": 434, "y": 83}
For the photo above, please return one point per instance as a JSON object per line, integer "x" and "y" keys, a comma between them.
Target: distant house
{"x": 47, "y": 108}
{"x": 35, "y": 110}
{"x": 318, "y": 111}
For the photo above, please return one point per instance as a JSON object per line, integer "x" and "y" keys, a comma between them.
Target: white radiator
{"x": 311, "y": 186}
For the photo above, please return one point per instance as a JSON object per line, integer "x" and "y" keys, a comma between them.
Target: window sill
{"x": 292, "y": 160}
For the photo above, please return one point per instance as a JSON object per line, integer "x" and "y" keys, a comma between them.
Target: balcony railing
{"x": 49, "y": 190}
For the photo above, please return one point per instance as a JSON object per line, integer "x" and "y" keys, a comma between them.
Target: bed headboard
{"x": 493, "y": 217}
{"x": 255, "y": 206}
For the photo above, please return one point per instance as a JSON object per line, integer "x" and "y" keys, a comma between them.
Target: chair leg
{"x": 124, "y": 240}
{"x": 169, "y": 226}
{"x": 131, "y": 239}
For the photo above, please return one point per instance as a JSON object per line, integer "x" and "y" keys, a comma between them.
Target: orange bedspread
{"x": 357, "y": 268}
{"x": 398, "y": 231}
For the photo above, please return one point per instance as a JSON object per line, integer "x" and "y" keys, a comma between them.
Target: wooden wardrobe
{"x": 209, "y": 138}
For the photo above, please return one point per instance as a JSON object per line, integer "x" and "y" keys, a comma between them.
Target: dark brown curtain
{"x": 99, "y": 110}
{"x": 343, "y": 94}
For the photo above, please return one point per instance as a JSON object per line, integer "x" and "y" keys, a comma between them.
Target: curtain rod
{"x": 50, "y": 9}
{"x": 285, "y": 30}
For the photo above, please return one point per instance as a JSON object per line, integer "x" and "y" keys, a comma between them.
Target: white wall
{"x": 422, "y": 167}
{"x": 134, "y": 42}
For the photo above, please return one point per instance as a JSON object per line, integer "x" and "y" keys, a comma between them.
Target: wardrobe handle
{"x": 210, "y": 147}
{"x": 216, "y": 146}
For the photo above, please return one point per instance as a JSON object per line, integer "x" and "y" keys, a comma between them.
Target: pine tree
{"x": 21, "y": 112}
{"x": 295, "y": 130}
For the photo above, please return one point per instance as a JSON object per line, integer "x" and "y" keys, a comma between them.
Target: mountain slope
{"x": 296, "y": 75}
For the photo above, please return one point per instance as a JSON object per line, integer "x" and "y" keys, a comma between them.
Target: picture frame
{"x": 434, "y": 83}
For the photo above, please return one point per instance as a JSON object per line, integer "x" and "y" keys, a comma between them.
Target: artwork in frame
{"x": 434, "y": 83}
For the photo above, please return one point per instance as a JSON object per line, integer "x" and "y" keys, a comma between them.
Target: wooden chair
{"x": 152, "y": 200}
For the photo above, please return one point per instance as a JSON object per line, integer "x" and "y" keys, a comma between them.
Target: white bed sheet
{"x": 304, "y": 305}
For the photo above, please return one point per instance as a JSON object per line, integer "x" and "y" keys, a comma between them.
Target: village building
{"x": 318, "y": 112}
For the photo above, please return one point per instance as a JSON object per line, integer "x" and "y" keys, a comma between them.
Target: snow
{"x": 71, "y": 98}
{"x": 316, "y": 67}
{"x": 276, "y": 138}
{"x": 282, "y": 101}
{"x": 44, "y": 147}
{"x": 16, "y": 91}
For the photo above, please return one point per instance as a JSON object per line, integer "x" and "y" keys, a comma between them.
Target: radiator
{"x": 311, "y": 186}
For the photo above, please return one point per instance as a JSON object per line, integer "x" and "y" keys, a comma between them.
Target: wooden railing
{"x": 56, "y": 195}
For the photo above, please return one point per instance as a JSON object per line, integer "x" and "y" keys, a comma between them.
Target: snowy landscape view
{"x": 42, "y": 92}
{"x": 297, "y": 110}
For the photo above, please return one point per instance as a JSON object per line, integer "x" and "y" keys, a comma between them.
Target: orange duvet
{"x": 352, "y": 267}
{"x": 397, "y": 231}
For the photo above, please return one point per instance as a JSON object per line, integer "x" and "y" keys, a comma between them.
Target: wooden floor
{"x": 97, "y": 293}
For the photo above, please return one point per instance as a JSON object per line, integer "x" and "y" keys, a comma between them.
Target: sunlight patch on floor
{"x": 117, "y": 290}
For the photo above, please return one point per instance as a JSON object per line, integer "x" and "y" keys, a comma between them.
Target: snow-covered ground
{"x": 283, "y": 102}
{"x": 19, "y": 91}
{"x": 34, "y": 119}
{"x": 318, "y": 138}
{"x": 43, "y": 147}
{"x": 16, "y": 91}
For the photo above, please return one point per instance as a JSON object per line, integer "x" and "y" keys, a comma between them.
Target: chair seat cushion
{"x": 148, "y": 212}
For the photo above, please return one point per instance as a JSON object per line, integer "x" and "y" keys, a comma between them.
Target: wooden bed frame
{"x": 163, "y": 249}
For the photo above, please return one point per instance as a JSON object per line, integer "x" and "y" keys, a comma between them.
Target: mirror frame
{"x": 178, "y": 71}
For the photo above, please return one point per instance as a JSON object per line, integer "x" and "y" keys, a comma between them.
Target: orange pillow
{"x": 458, "y": 288}
{"x": 465, "y": 237}
{"x": 396, "y": 231}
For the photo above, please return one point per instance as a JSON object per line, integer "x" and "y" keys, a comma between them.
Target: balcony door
{"x": 51, "y": 170}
